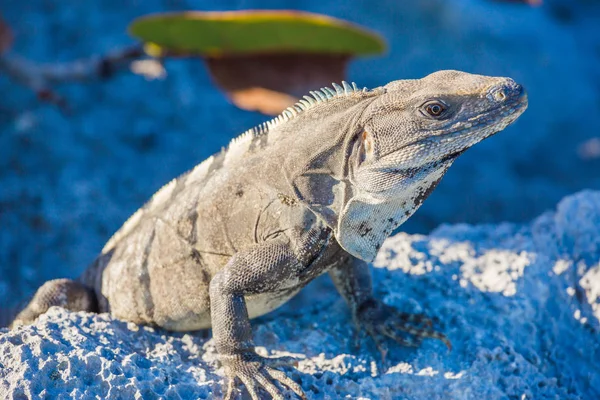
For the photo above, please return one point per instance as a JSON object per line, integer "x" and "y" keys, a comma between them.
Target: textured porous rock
{"x": 521, "y": 305}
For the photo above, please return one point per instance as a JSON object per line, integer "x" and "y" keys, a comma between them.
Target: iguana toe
{"x": 381, "y": 321}
{"x": 257, "y": 375}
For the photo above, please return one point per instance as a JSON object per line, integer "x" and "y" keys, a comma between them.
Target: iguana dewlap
{"x": 318, "y": 189}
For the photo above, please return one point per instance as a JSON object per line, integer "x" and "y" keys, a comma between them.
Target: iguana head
{"x": 405, "y": 140}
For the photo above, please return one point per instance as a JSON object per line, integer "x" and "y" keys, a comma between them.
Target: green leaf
{"x": 215, "y": 34}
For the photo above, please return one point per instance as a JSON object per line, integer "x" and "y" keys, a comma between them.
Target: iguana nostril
{"x": 507, "y": 91}
{"x": 499, "y": 95}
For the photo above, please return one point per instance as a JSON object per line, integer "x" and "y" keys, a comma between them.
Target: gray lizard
{"x": 318, "y": 189}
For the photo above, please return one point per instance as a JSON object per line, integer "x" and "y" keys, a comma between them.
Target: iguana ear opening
{"x": 364, "y": 148}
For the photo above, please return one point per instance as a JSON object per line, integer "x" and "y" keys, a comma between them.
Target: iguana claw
{"x": 257, "y": 373}
{"x": 381, "y": 321}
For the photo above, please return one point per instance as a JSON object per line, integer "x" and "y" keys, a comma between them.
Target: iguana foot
{"x": 257, "y": 373}
{"x": 381, "y": 321}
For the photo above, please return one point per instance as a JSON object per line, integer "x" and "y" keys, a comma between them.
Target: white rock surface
{"x": 521, "y": 305}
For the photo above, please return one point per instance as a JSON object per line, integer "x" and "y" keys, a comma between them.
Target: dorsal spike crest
{"x": 310, "y": 100}
{"x": 318, "y": 96}
{"x": 347, "y": 87}
{"x": 338, "y": 88}
{"x": 330, "y": 91}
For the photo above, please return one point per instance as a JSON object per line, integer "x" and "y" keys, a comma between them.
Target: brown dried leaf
{"x": 263, "y": 100}
{"x": 6, "y": 36}
{"x": 269, "y": 83}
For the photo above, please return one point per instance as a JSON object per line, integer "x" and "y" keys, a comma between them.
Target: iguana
{"x": 317, "y": 189}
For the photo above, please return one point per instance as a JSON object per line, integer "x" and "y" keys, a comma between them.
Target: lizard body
{"x": 318, "y": 189}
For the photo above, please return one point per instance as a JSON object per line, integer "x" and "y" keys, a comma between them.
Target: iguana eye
{"x": 435, "y": 109}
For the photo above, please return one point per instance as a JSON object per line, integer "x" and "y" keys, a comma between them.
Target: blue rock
{"x": 520, "y": 303}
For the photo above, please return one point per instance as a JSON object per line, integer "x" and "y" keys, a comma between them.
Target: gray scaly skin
{"x": 318, "y": 189}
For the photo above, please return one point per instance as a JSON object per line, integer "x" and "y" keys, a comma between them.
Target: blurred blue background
{"x": 68, "y": 181}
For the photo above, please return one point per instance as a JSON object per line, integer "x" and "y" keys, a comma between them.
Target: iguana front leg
{"x": 262, "y": 270}
{"x": 352, "y": 278}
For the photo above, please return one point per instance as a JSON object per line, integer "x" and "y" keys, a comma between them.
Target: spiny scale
{"x": 307, "y": 102}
